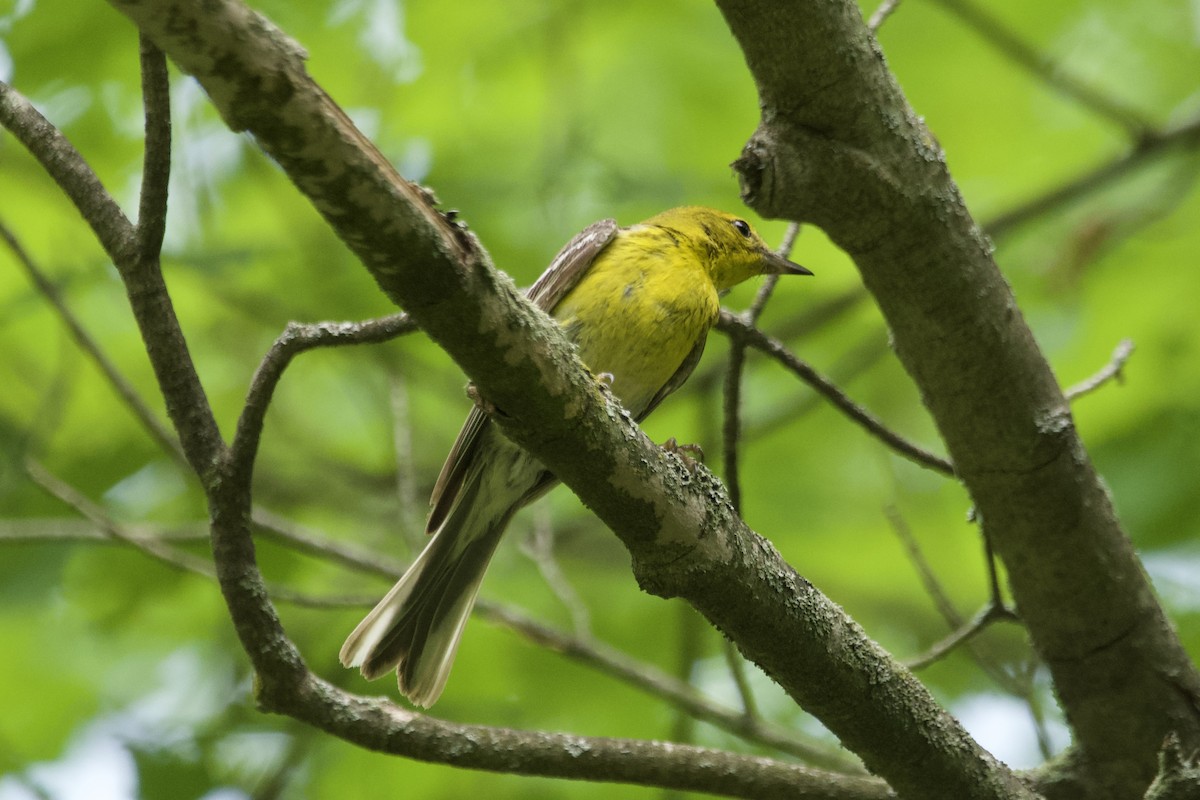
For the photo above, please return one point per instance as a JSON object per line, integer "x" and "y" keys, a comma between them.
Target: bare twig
{"x": 690, "y": 635}
{"x": 152, "y": 546}
{"x": 885, "y": 10}
{"x": 962, "y": 631}
{"x": 67, "y": 167}
{"x": 55, "y": 529}
{"x": 296, "y": 339}
{"x": 985, "y": 617}
{"x": 768, "y": 285}
{"x": 989, "y": 558}
{"x": 274, "y": 526}
{"x": 933, "y": 587}
{"x": 163, "y": 550}
{"x": 156, "y": 169}
{"x": 731, "y": 421}
{"x": 650, "y": 679}
{"x": 159, "y": 544}
{"x": 402, "y": 443}
{"x": 539, "y": 547}
{"x": 581, "y": 648}
{"x": 737, "y": 668}
{"x": 736, "y": 328}
{"x": 732, "y": 395}
{"x": 187, "y": 404}
{"x": 1111, "y": 371}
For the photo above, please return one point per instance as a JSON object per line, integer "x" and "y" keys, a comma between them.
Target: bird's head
{"x": 730, "y": 249}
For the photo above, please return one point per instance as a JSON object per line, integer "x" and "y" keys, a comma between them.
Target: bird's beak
{"x": 774, "y": 264}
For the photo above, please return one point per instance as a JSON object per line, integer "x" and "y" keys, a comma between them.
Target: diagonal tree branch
{"x": 677, "y": 525}
{"x": 741, "y": 331}
{"x": 1121, "y": 675}
{"x": 144, "y": 285}
{"x": 156, "y": 162}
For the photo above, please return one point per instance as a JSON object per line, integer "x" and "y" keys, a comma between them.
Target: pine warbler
{"x": 638, "y": 303}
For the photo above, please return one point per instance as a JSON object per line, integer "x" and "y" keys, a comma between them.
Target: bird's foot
{"x": 685, "y": 453}
{"x": 482, "y": 403}
{"x": 605, "y": 379}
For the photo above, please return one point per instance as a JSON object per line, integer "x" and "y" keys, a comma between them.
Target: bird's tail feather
{"x": 416, "y": 627}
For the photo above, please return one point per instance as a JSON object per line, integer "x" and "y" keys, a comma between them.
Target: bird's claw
{"x": 482, "y": 403}
{"x": 685, "y": 453}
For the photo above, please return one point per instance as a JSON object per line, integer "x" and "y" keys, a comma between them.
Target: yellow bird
{"x": 638, "y": 303}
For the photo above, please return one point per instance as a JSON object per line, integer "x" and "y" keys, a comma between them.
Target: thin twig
{"x": 1110, "y": 371}
{"x": 993, "y": 568}
{"x": 322, "y": 334}
{"x": 1037, "y": 714}
{"x": 933, "y": 587}
{"x": 731, "y": 434}
{"x": 769, "y": 283}
{"x": 736, "y": 328}
{"x": 731, "y": 422}
{"x": 859, "y": 357}
{"x": 152, "y": 546}
{"x": 820, "y": 315}
{"x": 328, "y": 333}
{"x": 271, "y": 525}
{"x": 53, "y": 529}
{"x": 539, "y": 547}
{"x": 296, "y": 339}
{"x": 70, "y": 171}
{"x": 409, "y": 510}
{"x": 982, "y": 619}
{"x": 1005, "y": 40}
{"x": 186, "y": 401}
{"x": 156, "y": 161}
{"x": 689, "y": 647}
{"x": 650, "y": 679}
{"x": 962, "y": 630}
{"x": 274, "y": 784}
{"x": 885, "y": 10}
{"x": 162, "y": 550}
{"x": 583, "y": 649}
{"x": 732, "y": 395}
{"x": 737, "y": 668}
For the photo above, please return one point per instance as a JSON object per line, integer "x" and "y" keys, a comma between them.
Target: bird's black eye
{"x": 743, "y": 227}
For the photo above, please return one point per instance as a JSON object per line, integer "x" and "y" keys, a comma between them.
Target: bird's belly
{"x": 641, "y": 342}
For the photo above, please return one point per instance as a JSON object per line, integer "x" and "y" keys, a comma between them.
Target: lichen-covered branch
{"x": 839, "y": 146}
{"x": 683, "y": 537}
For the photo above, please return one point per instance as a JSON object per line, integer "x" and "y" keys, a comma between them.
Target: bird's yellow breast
{"x": 640, "y": 309}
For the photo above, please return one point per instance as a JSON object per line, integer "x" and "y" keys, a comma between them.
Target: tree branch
{"x": 684, "y": 540}
{"x": 1110, "y": 372}
{"x": 755, "y": 338}
{"x": 186, "y": 402}
{"x": 1117, "y": 664}
{"x": 156, "y": 169}
{"x": 384, "y": 727}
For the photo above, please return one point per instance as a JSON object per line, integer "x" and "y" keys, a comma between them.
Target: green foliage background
{"x": 534, "y": 119}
